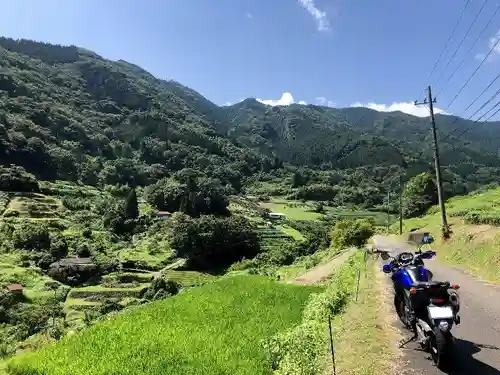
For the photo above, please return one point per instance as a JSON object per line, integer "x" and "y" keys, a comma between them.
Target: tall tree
{"x": 131, "y": 208}
{"x": 420, "y": 193}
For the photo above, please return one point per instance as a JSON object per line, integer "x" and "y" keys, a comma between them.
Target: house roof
{"x": 14, "y": 287}
{"x": 162, "y": 213}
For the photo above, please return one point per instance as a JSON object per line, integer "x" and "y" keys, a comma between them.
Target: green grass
{"x": 35, "y": 205}
{"x": 70, "y": 302}
{"x": 297, "y": 236}
{"x": 188, "y": 278}
{"x": 295, "y": 210}
{"x": 473, "y": 248}
{"x": 215, "y": 329}
{"x": 146, "y": 250}
{"x": 32, "y": 281}
{"x": 379, "y": 217}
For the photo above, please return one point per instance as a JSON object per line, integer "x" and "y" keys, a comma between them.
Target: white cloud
{"x": 286, "y": 99}
{"x": 406, "y": 107}
{"x": 321, "y": 100}
{"x": 321, "y": 18}
{"x": 249, "y": 15}
{"x": 493, "y": 44}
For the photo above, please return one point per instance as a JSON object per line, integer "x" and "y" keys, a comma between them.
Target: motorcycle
{"x": 429, "y": 308}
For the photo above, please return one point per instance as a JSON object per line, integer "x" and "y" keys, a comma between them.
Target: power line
{"x": 470, "y": 50}
{"x": 473, "y": 74}
{"x": 448, "y": 41}
{"x": 498, "y": 110}
{"x": 470, "y": 105}
{"x": 482, "y": 92}
{"x": 461, "y": 42}
{"x": 480, "y": 117}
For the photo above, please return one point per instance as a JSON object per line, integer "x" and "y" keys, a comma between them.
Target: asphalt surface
{"x": 477, "y": 345}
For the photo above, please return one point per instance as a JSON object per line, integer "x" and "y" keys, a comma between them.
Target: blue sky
{"x": 377, "y": 53}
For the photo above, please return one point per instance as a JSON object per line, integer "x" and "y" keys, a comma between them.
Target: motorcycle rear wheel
{"x": 439, "y": 347}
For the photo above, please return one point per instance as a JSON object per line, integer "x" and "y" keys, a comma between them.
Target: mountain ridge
{"x": 68, "y": 113}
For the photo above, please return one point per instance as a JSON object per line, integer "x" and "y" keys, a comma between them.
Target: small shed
{"x": 15, "y": 288}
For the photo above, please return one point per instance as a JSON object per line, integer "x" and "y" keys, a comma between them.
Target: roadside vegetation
{"x": 365, "y": 341}
{"x": 475, "y": 222}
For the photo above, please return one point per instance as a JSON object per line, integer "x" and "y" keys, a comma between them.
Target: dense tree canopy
{"x": 211, "y": 243}
{"x": 67, "y": 113}
{"x": 419, "y": 194}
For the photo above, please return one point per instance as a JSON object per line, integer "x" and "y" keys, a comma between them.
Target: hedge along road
{"x": 477, "y": 348}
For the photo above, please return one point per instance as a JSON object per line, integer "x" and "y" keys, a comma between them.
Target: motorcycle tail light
{"x": 413, "y": 290}
{"x": 437, "y": 300}
{"x": 455, "y": 286}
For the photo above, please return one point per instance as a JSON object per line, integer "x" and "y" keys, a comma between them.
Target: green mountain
{"x": 67, "y": 113}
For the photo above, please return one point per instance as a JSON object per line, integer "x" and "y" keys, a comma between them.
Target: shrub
{"x": 109, "y": 305}
{"x": 15, "y": 178}
{"x": 31, "y": 236}
{"x": 161, "y": 288}
{"x": 348, "y": 233}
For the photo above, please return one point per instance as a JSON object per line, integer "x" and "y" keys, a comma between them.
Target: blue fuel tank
{"x": 407, "y": 276}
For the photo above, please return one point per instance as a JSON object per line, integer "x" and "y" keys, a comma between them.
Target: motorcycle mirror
{"x": 384, "y": 256}
{"x": 387, "y": 268}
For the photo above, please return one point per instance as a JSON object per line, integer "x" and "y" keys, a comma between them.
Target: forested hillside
{"x": 67, "y": 113}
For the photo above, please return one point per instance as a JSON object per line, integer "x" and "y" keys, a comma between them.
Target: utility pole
{"x": 388, "y": 209}
{"x": 431, "y": 101}
{"x": 400, "y": 204}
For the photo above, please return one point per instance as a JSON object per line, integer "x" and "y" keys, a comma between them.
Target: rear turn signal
{"x": 413, "y": 291}
{"x": 455, "y": 286}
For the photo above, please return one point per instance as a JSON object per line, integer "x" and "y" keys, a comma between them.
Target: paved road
{"x": 477, "y": 337}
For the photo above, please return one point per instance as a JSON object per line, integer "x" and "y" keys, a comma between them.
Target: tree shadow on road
{"x": 465, "y": 363}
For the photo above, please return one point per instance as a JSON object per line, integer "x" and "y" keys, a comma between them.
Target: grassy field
{"x": 33, "y": 282}
{"x": 34, "y": 205}
{"x": 234, "y": 315}
{"x": 288, "y": 230}
{"x": 380, "y": 218}
{"x": 295, "y": 210}
{"x": 474, "y": 245}
{"x": 188, "y": 278}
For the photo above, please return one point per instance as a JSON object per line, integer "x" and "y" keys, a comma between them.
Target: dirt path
{"x": 324, "y": 271}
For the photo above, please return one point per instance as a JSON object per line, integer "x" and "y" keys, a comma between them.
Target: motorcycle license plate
{"x": 440, "y": 312}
